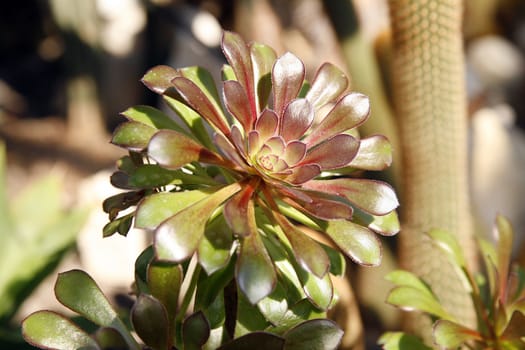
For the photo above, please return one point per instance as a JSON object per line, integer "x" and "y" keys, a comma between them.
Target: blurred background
{"x": 68, "y": 68}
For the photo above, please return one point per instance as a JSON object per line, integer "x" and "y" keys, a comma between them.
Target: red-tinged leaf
{"x": 514, "y": 331}
{"x": 303, "y": 173}
{"x": 297, "y": 118}
{"x": 177, "y": 238}
{"x": 238, "y": 140}
{"x": 254, "y": 142}
{"x": 276, "y": 144}
{"x": 238, "y": 104}
{"x": 228, "y": 149}
{"x": 263, "y": 58}
{"x": 329, "y": 83}
{"x": 294, "y": 152}
{"x": 327, "y": 209}
{"x": 350, "y": 111}
{"x": 238, "y": 56}
{"x": 49, "y": 330}
{"x": 150, "y": 321}
{"x": 294, "y": 193}
{"x": 152, "y": 117}
{"x": 239, "y": 210}
{"x": 198, "y": 100}
{"x": 451, "y": 335}
{"x": 173, "y": 150}
{"x": 308, "y": 253}
{"x": 158, "y": 79}
{"x": 333, "y": 153}
{"x": 375, "y": 153}
{"x": 255, "y": 272}
{"x": 287, "y": 79}
{"x": 504, "y": 236}
{"x": 375, "y": 197}
{"x": 357, "y": 242}
{"x": 266, "y": 124}
{"x": 133, "y": 136}
{"x": 319, "y": 334}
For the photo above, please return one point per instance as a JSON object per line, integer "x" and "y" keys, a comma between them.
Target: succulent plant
{"x": 281, "y": 155}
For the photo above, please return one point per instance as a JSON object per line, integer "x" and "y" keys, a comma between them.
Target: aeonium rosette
{"x": 276, "y": 176}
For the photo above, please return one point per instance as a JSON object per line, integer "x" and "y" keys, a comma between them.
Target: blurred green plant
{"x": 498, "y": 297}
{"x": 236, "y": 217}
{"x": 33, "y": 239}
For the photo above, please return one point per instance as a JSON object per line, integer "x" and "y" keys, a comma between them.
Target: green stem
{"x": 183, "y": 309}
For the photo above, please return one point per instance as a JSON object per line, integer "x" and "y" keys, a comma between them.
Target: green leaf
{"x": 152, "y": 117}
{"x": 214, "y": 250}
{"x": 452, "y": 335}
{"x": 195, "y": 331}
{"x": 318, "y": 290}
{"x": 449, "y": 244}
{"x": 249, "y": 318}
{"x": 152, "y": 176}
{"x": 164, "y": 282}
{"x": 150, "y": 321}
{"x": 177, "y": 238}
{"x": 275, "y": 305}
{"x": 5, "y": 219}
{"x": 262, "y": 57}
{"x": 209, "y": 287}
{"x": 109, "y": 338}
{"x": 49, "y": 330}
{"x": 386, "y": 225}
{"x": 504, "y": 236}
{"x": 77, "y": 291}
{"x": 356, "y": 241}
{"x": 255, "y": 272}
{"x": 132, "y": 135}
{"x": 337, "y": 261}
{"x": 158, "y": 79}
{"x": 408, "y": 279}
{"x": 401, "y": 341}
{"x": 141, "y": 269}
{"x": 410, "y": 298}
{"x": 320, "y": 334}
{"x": 255, "y": 340}
{"x": 156, "y": 208}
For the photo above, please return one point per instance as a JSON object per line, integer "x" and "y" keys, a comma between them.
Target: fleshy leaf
{"x": 452, "y": 335}
{"x": 238, "y": 104}
{"x": 262, "y": 61}
{"x": 153, "y": 175}
{"x": 49, "y": 330}
{"x": 200, "y": 102}
{"x": 320, "y": 334}
{"x": 401, "y": 341}
{"x": 76, "y": 290}
{"x": 375, "y": 197}
{"x": 408, "y": 279}
{"x": 303, "y": 173}
{"x": 255, "y": 272}
{"x": 152, "y": 117}
{"x": 319, "y": 291}
{"x": 386, "y": 225}
{"x": 287, "y": 79}
{"x": 132, "y": 135}
{"x": 504, "y": 236}
{"x": 173, "y": 150}
{"x": 164, "y": 282}
{"x": 214, "y": 248}
{"x": 255, "y": 340}
{"x": 158, "y": 79}
{"x": 177, "y": 238}
{"x": 410, "y": 298}
{"x": 450, "y": 245}
{"x": 333, "y": 153}
{"x": 150, "y": 321}
{"x": 375, "y": 153}
{"x": 157, "y": 207}
{"x": 327, "y": 209}
{"x": 195, "y": 331}
{"x": 239, "y": 211}
{"x": 349, "y": 112}
{"x": 108, "y": 338}
{"x": 296, "y": 119}
{"x": 329, "y": 83}
{"x": 275, "y": 305}
{"x": 355, "y": 241}
{"x": 204, "y": 80}
{"x": 266, "y": 124}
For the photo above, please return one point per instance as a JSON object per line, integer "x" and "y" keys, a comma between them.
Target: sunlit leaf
{"x": 177, "y": 238}
{"x": 375, "y": 153}
{"x": 401, "y": 341}
{"x": 49, "y": 330}
{"x": 357, "y": 242}
{"x": 321, "y": 334}
{"x": 333, "y": 153}
{"x": 287, "y": 78}
{"x": 133, "y": 135}
{"x": 296, "y": 119}
{"x": 408, "y": 279}
{"x": 386, "y": 225}
{"x": 504, "y": 236}
{"x": 450, "y": 245}
{"x": 275, "y": 305}
{"x": 77, "y": 291}
{"x": 262, "y": 61}
{"x": 452, "y": 335}
{"x": 152, "y": 117}
{"x": 164, "y": 282}
{"x": 239, "y": 211}
{"x": 158, "y": 79}
{"x": 328, "y": 84}
{"x": 319, "y": 291}
{"x": 215, "y": 246}
{"x": 150, "y": 321}
{"x": 238, "y": 104}
{"x": 410, "y": 298}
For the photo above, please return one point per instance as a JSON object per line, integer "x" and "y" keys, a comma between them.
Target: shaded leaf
{"x": 262, "y": 61}
{"x": 238, "y": 104}
{"x": 157, "y": 207}
{"x": 153, "y": 117}
{"x": 357, "y": 242}
{"x": 410, "y": 298}
{"x": 77, "y": 291}
{"x": 504, "y": 236}
{"x": 320, "y": 334}
{"x": 177, "y": 238}
{"x": 152, "y": 175}
{"x": 49, "y": 330}
{"x": 255, "y": 340}
{"x": 215, "y": 247}
{"x": 150, "y": 321}
{"x": 108, "y": 338}
{"x": 195, "y": 331}
{"x": 452, "y": 335}
{"x": 172, "y": 150}
{"x": 401, "y": 341}
{"x": 164, "y": 282}
{"x": 249, "y": 318}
